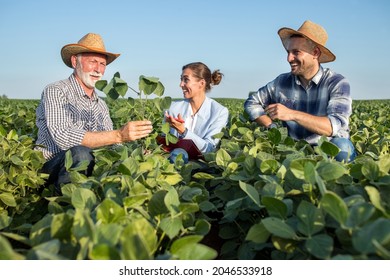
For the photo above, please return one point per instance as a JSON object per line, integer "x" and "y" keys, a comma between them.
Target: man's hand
{"x": 135, "y": 130}
{"x": 317, "y": 124}
{"x": 279, "y": 112}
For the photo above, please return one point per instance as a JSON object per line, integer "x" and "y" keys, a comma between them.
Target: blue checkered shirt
{"x": 328, "y": 94}
{"x": 65, "y": 114}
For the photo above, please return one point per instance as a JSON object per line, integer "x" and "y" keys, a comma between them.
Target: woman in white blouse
{"x": 197, "y": 117}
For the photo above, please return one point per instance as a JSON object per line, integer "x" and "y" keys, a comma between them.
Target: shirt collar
{"x": 316, "y": 79}
{"x": 80, "y": 91}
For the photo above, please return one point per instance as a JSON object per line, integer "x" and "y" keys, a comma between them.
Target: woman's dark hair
{"x": 201, "y": 71}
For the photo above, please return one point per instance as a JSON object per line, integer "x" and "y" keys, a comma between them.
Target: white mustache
{"x": 97, "y": 74}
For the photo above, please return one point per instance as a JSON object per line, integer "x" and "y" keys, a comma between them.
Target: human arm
{"x": 203, "y": 135}
{"x": 129, "y": 132}
{"x": 71, "y": 122}
{"x": 256, "y": 103}
{"x": 320, "y": 125}
{"x": 210, "y": 121}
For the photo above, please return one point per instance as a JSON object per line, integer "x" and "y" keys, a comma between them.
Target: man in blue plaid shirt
{"x": 72, "y": 117}
{"x": 311, "y": 101}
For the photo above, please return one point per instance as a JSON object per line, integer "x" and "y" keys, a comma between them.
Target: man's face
{"x": 301, "y": 56}
{"x": 90, "y": 68}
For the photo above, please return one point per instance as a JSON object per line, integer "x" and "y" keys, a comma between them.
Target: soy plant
{"x": 141, "y": 109}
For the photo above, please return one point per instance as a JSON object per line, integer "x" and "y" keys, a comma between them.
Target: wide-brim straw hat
{"x": 313, "y": 32}
{"x": 90, "y": 43}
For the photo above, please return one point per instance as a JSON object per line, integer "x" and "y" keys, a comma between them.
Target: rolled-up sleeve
{"x": 257, "y": 102}
{"x": 340, "y": 108}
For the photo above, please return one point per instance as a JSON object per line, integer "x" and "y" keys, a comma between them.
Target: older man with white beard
{"x": 71, "y": 116}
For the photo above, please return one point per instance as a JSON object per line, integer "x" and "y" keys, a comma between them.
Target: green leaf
{"x": 129, "y": 166}
{"x": 329, "y": 148}
{"x": 109, "y": 212}
{"x": 156, "y": 204}
{"x": 378, "y": 230}
{"x": 311, "y": 219}
{"x": 320, "y": 246}
{"x": 188, "y": 248}
{"x": 360, "y": 214}
{"x": 258, "y": 233}
{"x": 375, "y": 199}
{"x": 222, "y": 158}
{"x": 269, "y": 166}
{"x": 274, "y": 136}
{"x": 171, "y": 226}
{"x": 275, "y": 207}
{"x": 370, "y": 170}
{"x": 171, "y": 200}
{"x": 202, "y": 227}
{"x": 104, "y": 252}
{"x": 5, "y": 220}
{"x": 7, "y": 252}
{"x": 159, "y": 91}
{"x": 138, "y": 240}
{"x": 251, "y": 192}
{"x": 147, "y": 84}
{"x": 83, "y": 198}
{"x": 8, "y": 199}
{"x": 330, "y": 170}
{"x": 108, "y": 234}
{"x": 120, "y": 86}
{"x": 309, "y": 173}
{"x": 68, "y": 160}
{"x": 61, "y": 226}
{"x": 297, "y": 167}
{"x": 279, "y": 228}
{"x": 100, "y": 85}
{"x": 335, "y": 206}
{"x": 83, "y": 226}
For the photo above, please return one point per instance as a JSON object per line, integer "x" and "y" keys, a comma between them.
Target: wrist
{"x": 272, "y": 125}
{"x": 182, "y": 135}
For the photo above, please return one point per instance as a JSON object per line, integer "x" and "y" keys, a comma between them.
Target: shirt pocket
{"x": 289, "y": 103}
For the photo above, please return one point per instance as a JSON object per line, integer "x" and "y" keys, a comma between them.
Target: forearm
{"x": 129, "y": 132}
{"x": 316, "y": 124}
{"x": 96, "y": 139}
{"x": 264, "y": 120}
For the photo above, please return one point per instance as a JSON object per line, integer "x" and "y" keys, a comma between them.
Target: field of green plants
{"x": 261, "y": 195}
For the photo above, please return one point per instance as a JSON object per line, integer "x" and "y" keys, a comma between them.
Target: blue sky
{"x": 156, "y": 38}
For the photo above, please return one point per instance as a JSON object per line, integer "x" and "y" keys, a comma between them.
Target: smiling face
{"x": 191, "y": 85}
{"x": 89, "y": 68}
{"x": 302, "y": 57}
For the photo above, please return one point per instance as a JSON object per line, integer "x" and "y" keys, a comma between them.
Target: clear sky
{"x": 157, "y": 37}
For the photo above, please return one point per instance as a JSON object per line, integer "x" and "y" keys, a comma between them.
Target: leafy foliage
{"x": 261, "y": 195}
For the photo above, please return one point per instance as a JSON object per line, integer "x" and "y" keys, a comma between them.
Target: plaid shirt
{"x": 328, "y": 94}
{"x": 65, "y": 114}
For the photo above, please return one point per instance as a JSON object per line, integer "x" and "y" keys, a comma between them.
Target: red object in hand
{"x": 179, "y": 120}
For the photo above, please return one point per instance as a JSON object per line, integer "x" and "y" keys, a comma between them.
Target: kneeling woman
{"x": 197, "y": 117}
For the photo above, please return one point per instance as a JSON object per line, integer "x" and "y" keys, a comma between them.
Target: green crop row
{"x": 261, "y": 195}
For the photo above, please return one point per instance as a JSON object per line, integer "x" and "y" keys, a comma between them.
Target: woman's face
{"x": 191, "y": 85}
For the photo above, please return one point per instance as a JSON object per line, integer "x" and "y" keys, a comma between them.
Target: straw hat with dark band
{"x": 313, "y": 32}
{"x": 90, "y": 43}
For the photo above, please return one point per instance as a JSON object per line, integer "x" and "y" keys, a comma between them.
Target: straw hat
{"x": 313, "y": 32}
{"x": 90, "y": 43}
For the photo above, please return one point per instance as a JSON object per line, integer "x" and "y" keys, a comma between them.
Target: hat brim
{"x": 326, "y": 55}
{"x": 74, "y": 49}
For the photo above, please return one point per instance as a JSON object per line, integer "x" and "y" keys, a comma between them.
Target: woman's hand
{"x": 176, "y": 123}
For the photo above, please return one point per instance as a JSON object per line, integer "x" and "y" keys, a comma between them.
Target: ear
{"x": 202, "y": 83}
{"x": 317, "y": 52}
{"x": 73, "y": 60}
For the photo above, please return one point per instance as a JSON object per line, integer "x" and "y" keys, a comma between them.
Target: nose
{"x": 181, "y": 83}
{"x": 290, "y": 57}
